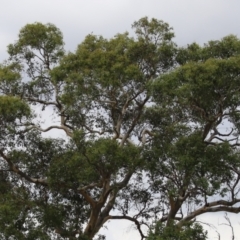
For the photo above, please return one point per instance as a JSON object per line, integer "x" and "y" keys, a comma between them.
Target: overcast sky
{"x": 192, "y": 20}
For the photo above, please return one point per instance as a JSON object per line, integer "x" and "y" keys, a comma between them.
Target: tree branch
{"x": 87, "y": 197}
{"x": 216, "y": 206}
{"x": 124, "y": 182}
{"x": 64, "y": 128}
{"x": 14, "y": 168}
{"x": 40, "y": 101}
{"x": 132, "y": 220}
{"x": 143, "y": 135}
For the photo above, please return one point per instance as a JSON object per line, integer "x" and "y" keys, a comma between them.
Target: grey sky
{"x": 192, "y": 20}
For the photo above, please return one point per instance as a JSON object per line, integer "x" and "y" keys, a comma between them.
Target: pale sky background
{"x": 192, "y": 20}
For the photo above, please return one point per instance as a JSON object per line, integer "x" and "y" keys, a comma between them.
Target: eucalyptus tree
{"x": 66, "y": 187}
{"x": 137, "y": 130}
{"x": 193, "y": 141}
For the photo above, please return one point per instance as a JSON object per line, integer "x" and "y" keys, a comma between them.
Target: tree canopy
{"x": 148, "y": 133}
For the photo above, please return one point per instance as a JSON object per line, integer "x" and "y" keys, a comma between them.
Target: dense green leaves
{"x": 46, "y": 39}
{"x": 143, "y": 131}
{"x": 189, "y": 232}
{"x": 227, "y": 47}
{"x": 12, "y": 108}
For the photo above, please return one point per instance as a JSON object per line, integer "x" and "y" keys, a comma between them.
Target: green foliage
{"x": 47, "y": 39}
{"x": 12, "y": 108}
{"x": 227, "y": 47}
{"x": 10, "y": 78}
{"x": 140, "y": 133}
{"x": 189, "y": 232}
{"x": 78, "y": 167}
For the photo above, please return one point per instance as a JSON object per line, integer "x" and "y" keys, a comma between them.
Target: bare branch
{"x": 143, "y": 135}
{"x": 128, "y": 140}
{"x": 132, "y": 220}
{"x": 124, "y": 182}
{"x": 91, "y": 186}
{"x": 14, "y": 168}
{"x": 64, "y": 128}
{"x": 87, "y": 197}
{"x": 165, "y": 218}
{"x": 135, "y": 120}
{"x": 93, "y": 131}
{"x": 229, "y": 224}
{"x": 216, "y": 206}
{"x": 40, "y": 101}
{"x": 223, "y": 135}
